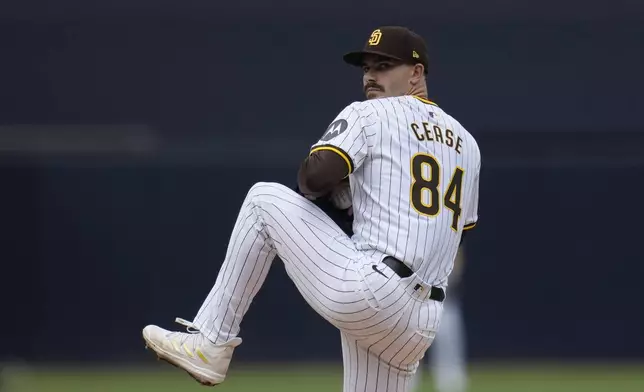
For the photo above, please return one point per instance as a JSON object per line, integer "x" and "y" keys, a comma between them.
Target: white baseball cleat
{"x": 193, "y": 352}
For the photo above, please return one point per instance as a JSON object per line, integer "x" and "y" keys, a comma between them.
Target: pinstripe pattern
{"x": 386, "y": 323}
{"x": 385, "y": 221}
{"x": 380, "y": 316}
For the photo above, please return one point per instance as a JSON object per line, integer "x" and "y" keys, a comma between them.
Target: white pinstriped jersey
{"x": 414, "y": 180}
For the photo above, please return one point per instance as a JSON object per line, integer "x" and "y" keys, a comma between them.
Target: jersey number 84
{"x": 422, "y": 184}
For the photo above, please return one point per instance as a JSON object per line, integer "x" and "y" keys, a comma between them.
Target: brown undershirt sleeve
{"x": 320, "y": 172}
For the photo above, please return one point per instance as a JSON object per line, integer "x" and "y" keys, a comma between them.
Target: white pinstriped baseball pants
{"x": 386, "y": 326}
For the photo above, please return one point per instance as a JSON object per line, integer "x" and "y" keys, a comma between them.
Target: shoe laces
{"x": 200, "y": 339}
{"x": 190, "y": 327}
{"x": 182, "y": 337}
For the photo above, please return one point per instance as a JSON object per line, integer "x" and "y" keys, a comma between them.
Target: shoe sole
{"x": 180, "y": 363}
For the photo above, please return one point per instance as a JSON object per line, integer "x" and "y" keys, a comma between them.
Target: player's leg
{"x": 448, "y": 363}
{"x": 417, "y": 382}
{"x": 387, "y": 362}
{"x": 318, "y": 256}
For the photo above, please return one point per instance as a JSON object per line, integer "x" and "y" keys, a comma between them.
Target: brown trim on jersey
{"x": 469, "y": 226}
{"x": 424, "y": 100}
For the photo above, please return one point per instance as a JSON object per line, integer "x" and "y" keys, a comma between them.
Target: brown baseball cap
{"x": 395, "y": 42}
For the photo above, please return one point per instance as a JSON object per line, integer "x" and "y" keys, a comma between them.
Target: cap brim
{"x": 356, "y": 58}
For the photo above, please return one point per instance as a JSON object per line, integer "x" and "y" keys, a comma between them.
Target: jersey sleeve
{"x": 471, "y": 213}
{"x": 347, "y": 135}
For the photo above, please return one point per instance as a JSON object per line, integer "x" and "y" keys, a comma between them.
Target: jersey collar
{"x": 424, "y": 100}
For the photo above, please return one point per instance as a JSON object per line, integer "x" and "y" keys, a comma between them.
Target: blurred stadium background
{"x": 130, "y": 130}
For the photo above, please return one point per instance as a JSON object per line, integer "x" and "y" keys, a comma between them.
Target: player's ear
{"x": 417, "y": 73}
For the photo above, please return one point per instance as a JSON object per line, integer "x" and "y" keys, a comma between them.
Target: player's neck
{"x": 418, "y": 91}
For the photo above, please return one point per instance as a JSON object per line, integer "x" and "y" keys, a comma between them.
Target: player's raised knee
{"x": 266, "y": 189}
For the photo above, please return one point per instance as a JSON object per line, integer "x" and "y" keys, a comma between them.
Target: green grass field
{"x": 289, "y": 378}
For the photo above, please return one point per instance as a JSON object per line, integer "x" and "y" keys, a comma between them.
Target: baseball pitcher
{"x": 413, "y": 176}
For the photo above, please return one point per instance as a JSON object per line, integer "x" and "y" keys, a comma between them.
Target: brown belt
{"x": 436, "y": 293}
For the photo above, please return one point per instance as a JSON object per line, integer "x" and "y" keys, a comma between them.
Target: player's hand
{"x": 341, "y": 196}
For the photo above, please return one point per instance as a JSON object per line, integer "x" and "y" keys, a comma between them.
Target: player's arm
{"x": 320, "y": 172}
{"x": 339, "y": 152}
